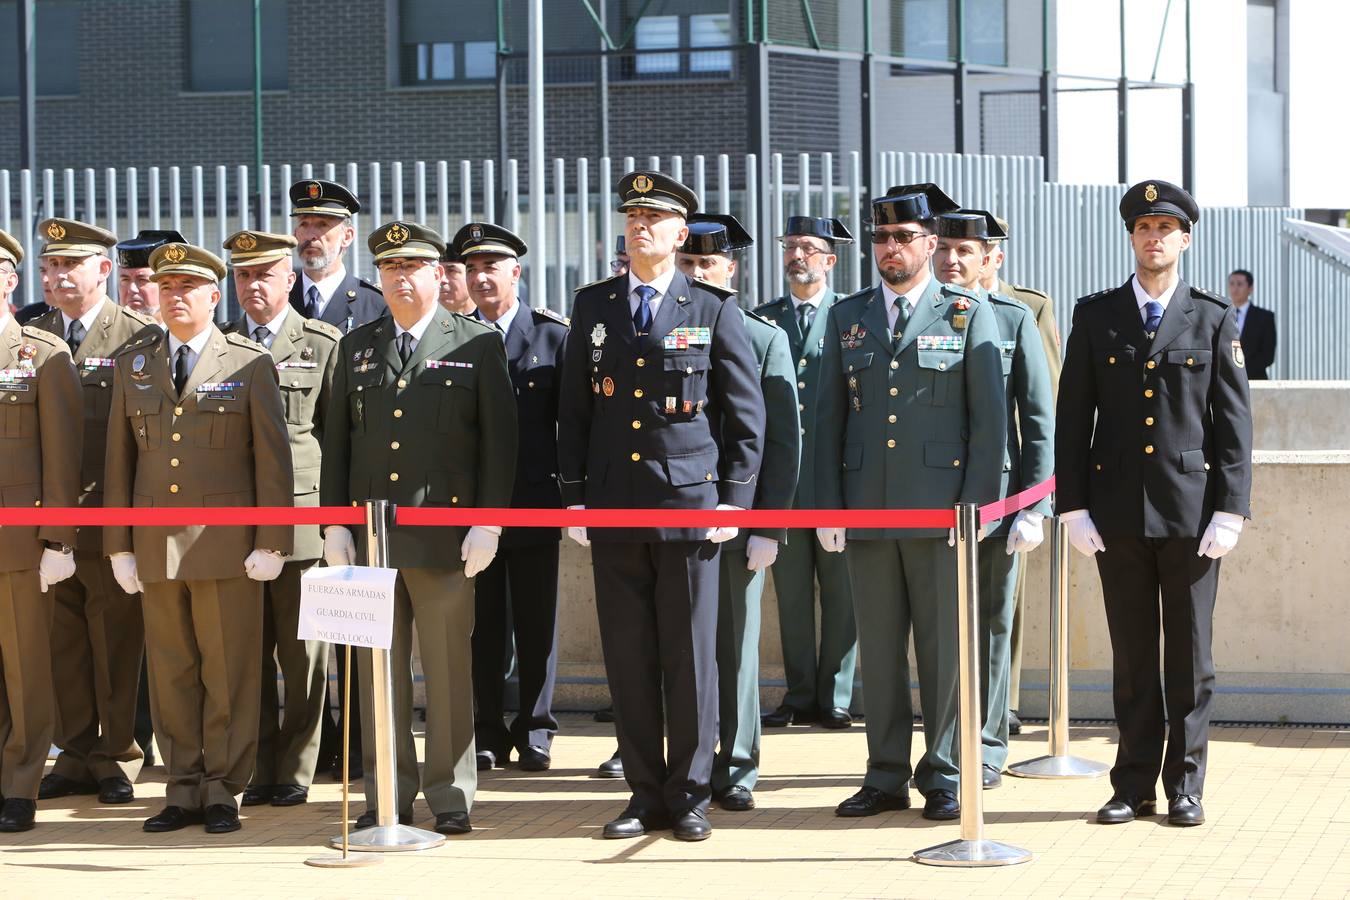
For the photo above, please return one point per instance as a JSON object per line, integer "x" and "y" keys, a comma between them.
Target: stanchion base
{"x": 1059, "y": 767}
{"x": 388, "y": 839}
{"x": 343, "y": 862}
{"x": 967, "y": 854}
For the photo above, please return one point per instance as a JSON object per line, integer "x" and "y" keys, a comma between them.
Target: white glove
{"x": 263, "y": 565}
{"x": 831, "y": 539}
{"x": 55, "y": 567}
{"x": 479, "y": 548}
{"x": 578, "y": 534}
{"x": 718, "y": 535}
{"x": 124, "y": 571}
{"x": 760, "y": 552}
{"x": 1083, "y": 534}
{"x": 1026, "y": 533}
{"x": 339, "y": 548}
{"x": 1221, "y": 535}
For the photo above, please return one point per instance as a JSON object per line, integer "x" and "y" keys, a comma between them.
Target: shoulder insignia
{"x": 239, "y": 340}
{"x": 139, "y": 317}
{"x": 777, "y": 301}
{"x": 367, "y": 285}
{"x": 543, "y": 312}
{"x": 1202, "y": 294}
{"x": 583, "y": 287}
{"x": 864, "y": 295}
{"x": 1097, "y": 296}
{"x": 1005, "y": 300}
{"x": 758, "y": 317}
{"x": 318, "y": 326}
{"x": 722, "y": 292}
{"x": 954, "y": 290}
{"x": 1023, "y": 289}
{"x": 41, "y": 336}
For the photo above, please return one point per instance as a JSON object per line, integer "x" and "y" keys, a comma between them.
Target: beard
{"x": 895, "y": 275}
{"x": 316, "y": 263}
{"x": 804, "y": 277}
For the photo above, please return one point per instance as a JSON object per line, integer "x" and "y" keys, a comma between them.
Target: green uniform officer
{"x": 819, "y": 682}
{"x": 911, "y": 416}
{"x": 707, "y": 255}
{"x": 964, "y": 246}
{"x": 423, "y": 414}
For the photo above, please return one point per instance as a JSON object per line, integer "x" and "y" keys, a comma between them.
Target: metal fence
{"x": 1065, "y": 239}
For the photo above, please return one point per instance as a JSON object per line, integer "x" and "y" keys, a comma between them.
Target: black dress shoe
{"x": 869, "y": 801}
{"x": 1120, "y": 809}
{"x": 604, "y": 715}
{"x": 990, "y": 777}
{"x": 941, "y": 806}
{"x": 257, "y": 795}
{"x": 1014, "y": 723}
{"x": 736, "y": 799}
{"x": 114, "y": 790}
{"x": 610, "y": 768}
{"x": 836, "y": 718}
{"x": 221, "y": 818}
{"x": 786, "y": 715}
{"x": 691, "y": 825}
{"x": 172, "y": 818}
{"x": 17, "y": 815}
{"x": 54, "y": 786}
{"x": 1185, "y": 810}
{"x": 487, "y": 759}
{"x": 635, "y": 822}
{"x": 289, "y": 794}
{"x": 534, "y": 759}
{"x": 369, "y": 819}
{"x": 453, "y": 823}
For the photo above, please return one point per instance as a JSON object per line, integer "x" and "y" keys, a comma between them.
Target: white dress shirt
{"x": 273, "y": 327}
{"x": 911, "y": 297}
{"x": 87, "y": 320}
{"x": 504, "y": 320}
{"x": 418, "y": 329}
{"x": 1141, "y": 296}
{"x": 195, "y": 346}
{"x": 327, "y": 288}
{"x": 661, "y": 283}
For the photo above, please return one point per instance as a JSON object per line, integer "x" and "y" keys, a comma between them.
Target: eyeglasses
{"x": 901, "y": 236}
{"x": 618, "y": 266}
{"x": 805, "y": 249}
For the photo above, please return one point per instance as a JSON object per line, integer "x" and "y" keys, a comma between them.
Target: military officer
{"x": 422, "y": 370}
{"x": 197, "y": 420}
{"x": 1153, "y": 451}
{"x": 706, "y": 255}
{"x": 525, "y": 571}
{"x": 454, "y": 294}
{"x": 619, "y": 264}
{"x": 819, "y": 683}
{"x": 660, "y": 408}
{"x": 910, "y": 415}
{"x": 97, "y": 635}
{"x": 965, "y": 243}
{"x": 304, "y": 352}
{"x": 39, "y": 386}
{"x": 1043, "y": 308}
{"x": 136, "y": 288}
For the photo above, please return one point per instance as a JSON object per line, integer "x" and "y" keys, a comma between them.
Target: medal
{"x": 958, "y": 321}
{"x": 608, "y": 386}
{"x": 670, "y": 405}
{"x": 307, "y": 353}
{"x": 598, "y": 334}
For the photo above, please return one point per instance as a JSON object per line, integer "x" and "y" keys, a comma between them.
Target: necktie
{"x": 312, "y": 303}
{"x": 180, "y": 369}
{"x": 405, "y": 347}
{"x": 642, "y": 316}
{"x": 261, "y": 335}
{"x": 901, "y": 316}
{"x": 75, "y": 336}
{"x": 806, "y": 314}
{"x": 1153, "y": 313}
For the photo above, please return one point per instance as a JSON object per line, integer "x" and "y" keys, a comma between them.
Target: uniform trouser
{"x": 1136, "y": 573}
{"x": 528, "y": 576}
{"x": 288, "y": 751}
{"x": 145, "y": 727}
{"x": 823, "y": 681}
{"x": 1018, "y": 623}
{"x": 440, "y": 603}
{"x": 25, "y": 683}
{"x": 97, "y": 643}
{"x": 737, "y": 761}
{"x": 899, "y": 585}
{"x": 657, "y": 606}
{"x": 998, "y": 578}
{"x": 204, "y": 644}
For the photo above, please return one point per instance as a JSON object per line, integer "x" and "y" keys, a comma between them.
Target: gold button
{"x": 176, "y": 437}
{"x": 957, "y": 463}
{"x": 174, "y": 462}
{"x": 1206, "y": 467}
{"x": 531, "y": 384}
{"x": 103, "y": 384}
{"x": 403, "y": 382}
{"x": 941, "y": 366}
{"x": 1148, "y": 420}
{"x": 454, "y": 499}
{"x": 802, "y": 361}
{"x": 1190, "y": 360}
{"x": 173, "y": 489}
{"x": 394, "y": 445}
{"x": 295, "y": 382}
{"x": 801, "y": 407}
{"x": 1148, "y": 449}
{"x": 1099, "y": 467}
{"x": 1110, "y": 360}
{"x": 37, "y": 502}
{"x": 638, "y": 393}
{"x": 635, "y": 457}
{"x": 895, "y": 364}
{"x": 891, "y": 443}
{"x": 689, "y": 370}
{"x": 1151, "y": 364}
{"x": 449, "y": 382}
{"x": 393, "y": 476}
{"x": 359, "y": 388}
{"x": 850, "y": 368}
{"x": 177, "y": 411}
{"x": 641, "y": 362}
{"x": 1148, "y": 392}
{"x": 801, "y": 385}
{"x": 707, "y": 476}
{"x": 220, "y": 409}
{"x": 398, "y": 414}
{"x": 891, "y": 418}
{"x": 13, "y": 398}
{"x": 803, "y": 431}
{"x": 636, "y": 424}
{"x": 894, "y": 391}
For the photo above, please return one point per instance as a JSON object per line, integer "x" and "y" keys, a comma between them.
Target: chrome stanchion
{"x": 1059, "y": 764}
{"x": 386, "y": 834}
{"x": 972, "y": 849}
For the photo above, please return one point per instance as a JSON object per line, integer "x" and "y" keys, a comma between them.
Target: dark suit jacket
{"x": 1258, "y": 342}
{"x": 1153, "y": 436}
{"x": 353, "y": 304}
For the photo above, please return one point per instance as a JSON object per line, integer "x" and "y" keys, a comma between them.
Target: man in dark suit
{"x": 1256, "y": 326}
{"x": 1153, "y": 476}
{"x": 660, "y": 409}
{"x": 521, "y": 584}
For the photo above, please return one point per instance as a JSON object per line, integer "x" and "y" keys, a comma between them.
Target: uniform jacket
{"x": 914, "y": 424}
{"x": 39, "y": 450}
{"x": 113, "y": 329}
{"x": 672, "y": 420}
{"x": 1153, "y": 436}
{"x": 1043, "y": 308}
{"x": 304, "y": 353}
{"x": 354, "y": 303}
{"x": 1029, "y": 401}
{"x": 439, "y": 430}
{"x": 779, "y": 470}
{"x": 1258, "y": 342}
{"x": 806, "y": 351}
{"x": 222, "y": 443}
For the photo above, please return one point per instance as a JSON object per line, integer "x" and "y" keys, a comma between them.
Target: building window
{"x": 656, "y": 33}
{"x": 686, "y": 34}
{"x": 58, "y": 45}
{"x": 438, "y": 48}
{"x": 926, "y": 29}
{"x": 220, "y": 45}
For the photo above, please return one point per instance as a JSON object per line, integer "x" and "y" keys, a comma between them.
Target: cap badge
{"x": 1151, "y": 193}
{"x": 55, "y": 231}
{"x": 245, "y": 242}
{"x": 642, "y": 184}
{"x": 315, "y": 190}
{"x": 124, "y": 259}
{"x": 598, "y": 334}
{"x": 476, "y": 233}
{"x": 397, "y": 234}
{"x": 175, "y": 253}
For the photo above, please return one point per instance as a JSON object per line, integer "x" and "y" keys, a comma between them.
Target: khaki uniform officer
{"x": 305, "y": 353}
{"x": 423, "y": 414}
{"x": 39, "y": 464}
{"x": 197, "y": 420}
{"x": 97, "y": 636}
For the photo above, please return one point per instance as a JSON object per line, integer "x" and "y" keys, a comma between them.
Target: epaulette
{"x": 1202, "y": 294}
{"x": 240, "y": 341}
{"x": 139, "y": 341}
{"x": 863, "y": 294}
{"x": 1005, "y": 300}
{"x": 1097, "y": 296}
{"x": 582, "y": 287}
{"x": 777, "y": 301}
{"x": 142, "y": 318}
{"x": 1026, "y": 290}
{"x": 41, "y": 336}
{"x": 958, "y": 291}
{"x": 544, "y": 312}
{"x": 759, "y": 318}
{"x": 318, "y": 326}
{"x": 476, "y": 323}
{"x": 366, "y": 284}
{"x": 724, "y": 292}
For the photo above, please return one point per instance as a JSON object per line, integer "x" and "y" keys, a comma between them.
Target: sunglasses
{"x": 900, "y": 236}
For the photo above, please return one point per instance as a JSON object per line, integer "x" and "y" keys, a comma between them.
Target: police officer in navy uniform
{"x": 660, "y": 409}
{"x": 524, "y": 574}
{"x": 325, "y": 290}
{"x": 1153, "y": 475}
